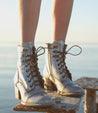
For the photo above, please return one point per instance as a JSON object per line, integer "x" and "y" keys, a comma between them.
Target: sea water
{"x": 85, "y": 64}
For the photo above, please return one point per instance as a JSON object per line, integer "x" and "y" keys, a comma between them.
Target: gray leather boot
{"x": 56, "y": 75}
{"x": 28, "y": 81}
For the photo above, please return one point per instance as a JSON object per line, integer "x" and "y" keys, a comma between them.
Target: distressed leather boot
{"x": 29, "y": 85}
{"x": 56, "y": 75}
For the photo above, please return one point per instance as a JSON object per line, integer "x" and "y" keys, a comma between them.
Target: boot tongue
{"x": 60, "y": 45}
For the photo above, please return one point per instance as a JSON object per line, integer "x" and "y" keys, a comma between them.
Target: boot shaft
{"x": 53, "y": 59}
{"x": 23, "y": 51}
{"x": 27, "y": 67}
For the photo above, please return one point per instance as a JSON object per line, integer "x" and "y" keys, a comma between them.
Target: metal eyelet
{"x": 28, "y": 75}
{"x": 24, "y": 50}
{"x": 30, "y": 63}
{"x": 24, "y": 55}
{"x": 58, "y": 64}
{"x": 60, "y": 72}
{"x": 27, "y": 70}
{"x": 55, "y": 47}
{"x": 63, "y": 76}
{"x": 31, "y": 85}
{"x": 60, "y": 56}
{"x": 29, "y": 80}
{"x": 23, "y": 61}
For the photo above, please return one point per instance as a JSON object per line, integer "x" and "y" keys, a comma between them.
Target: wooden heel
{"x": 49, "y": 85}
{"x": 17, "y": 93}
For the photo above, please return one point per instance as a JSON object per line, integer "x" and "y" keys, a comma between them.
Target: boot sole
{"x": 18, "y": 97}
{"x": 50, "y": 85}
{"x": 36, "y": 105}
{"x": 71, "y": 94}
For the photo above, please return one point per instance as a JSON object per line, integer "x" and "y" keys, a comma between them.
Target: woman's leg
{"x": 61, "y": 16}
{"x": 56, "y": 74}
{"x": 28, "y": 81}
{"x": 29, "y": 15}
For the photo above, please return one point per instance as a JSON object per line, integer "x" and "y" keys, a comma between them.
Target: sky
{"x": 83, "y": 25}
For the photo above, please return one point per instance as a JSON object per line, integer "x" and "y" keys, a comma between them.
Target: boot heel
{"x": 49, "y": 85}
{"x": 17, "y": 93}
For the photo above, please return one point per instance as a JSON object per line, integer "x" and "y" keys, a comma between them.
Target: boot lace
{"x": 61, "y": 56}
{"x": 32, "y": 62}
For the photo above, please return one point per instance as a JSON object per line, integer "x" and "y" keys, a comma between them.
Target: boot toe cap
{"x": 39, "y": 100}
{"x": 73, "y": 90}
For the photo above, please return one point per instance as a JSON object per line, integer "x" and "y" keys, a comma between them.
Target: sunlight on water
{"x": 86, "y": 64}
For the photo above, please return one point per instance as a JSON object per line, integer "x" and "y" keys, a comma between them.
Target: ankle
{"x": 62, "y": 42}
{"x": 27, "y": 44}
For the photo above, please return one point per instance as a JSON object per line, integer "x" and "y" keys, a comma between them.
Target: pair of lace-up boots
{"x": 29, "y": 84}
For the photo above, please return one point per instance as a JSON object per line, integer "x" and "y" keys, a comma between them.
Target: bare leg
{"x": 29, "y": 15}
{"x": 61, "y": 16}
{"x": 30, "y": 89}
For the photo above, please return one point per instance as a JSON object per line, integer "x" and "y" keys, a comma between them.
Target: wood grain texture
{"x": 63, "y": 104}
{"x": 97, "y": 103}
{"x": 90, "y": 101}
{"x": 87, "y": 83}
{"x": 91, "y": 86}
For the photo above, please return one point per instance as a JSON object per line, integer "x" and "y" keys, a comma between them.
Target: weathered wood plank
{"x": 97, "y": 103}
{"x": 88, "y": 83}
{"x": 63, "y": 104}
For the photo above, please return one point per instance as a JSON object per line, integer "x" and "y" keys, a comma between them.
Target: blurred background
{"x": 83, "y": 31}
{"x": 83, "y": 25}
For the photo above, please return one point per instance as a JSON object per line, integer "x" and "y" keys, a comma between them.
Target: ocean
{"x": 83, "y": 65}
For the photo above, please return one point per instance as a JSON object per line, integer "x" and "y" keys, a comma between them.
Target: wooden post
{"x": 97, "y": 103}
{"x": 90, "y": 101}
